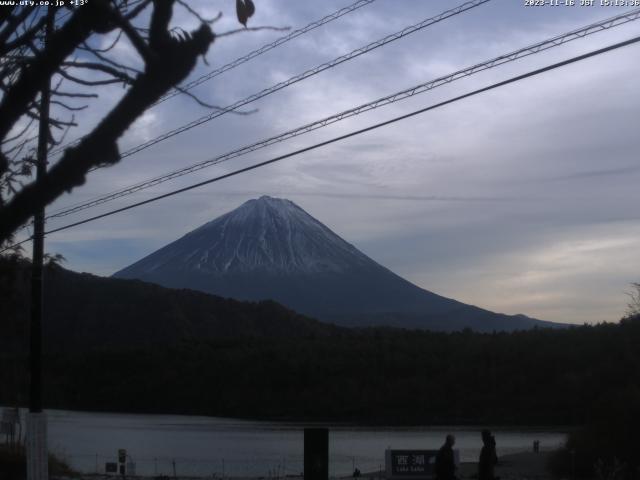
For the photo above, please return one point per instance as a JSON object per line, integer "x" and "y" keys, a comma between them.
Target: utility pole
{"x": 37, "y": 453}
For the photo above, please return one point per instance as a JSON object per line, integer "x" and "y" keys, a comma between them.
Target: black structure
{"x": 35, "y": 332}
{"x": 316, "y": 454}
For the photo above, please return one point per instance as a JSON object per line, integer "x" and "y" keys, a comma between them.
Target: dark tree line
{"x": 538, "y": 377}
{"x": 186, "y": 352}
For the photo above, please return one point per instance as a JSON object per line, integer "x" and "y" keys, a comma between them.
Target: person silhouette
{"x": 445, "y": 461}
{"x": 488, "y": 457}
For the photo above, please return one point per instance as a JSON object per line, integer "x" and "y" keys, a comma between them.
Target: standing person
{"x": 445, "y": 461}
{"x": 488, "y": 457}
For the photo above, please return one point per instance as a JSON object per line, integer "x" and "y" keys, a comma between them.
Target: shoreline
{"x": 329, "y": 423}
{"x": 524, "y": 464}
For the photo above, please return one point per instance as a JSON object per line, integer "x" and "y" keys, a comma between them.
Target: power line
{"x": 249, "y": 56}
{"x": 309, "y": 73}
{"x": 304, "y": 75}
{"x": 297, "y": 78}
{"x": 266, "y": 48}
{"x": 421, "y": 88}
{"x": 349, "y": 135}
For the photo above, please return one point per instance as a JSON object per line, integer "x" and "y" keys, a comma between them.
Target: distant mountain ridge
{"x": 84, "y": 312}
{"x": 270, "y": 248}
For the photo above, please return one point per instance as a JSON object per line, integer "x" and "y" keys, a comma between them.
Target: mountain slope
{"x": 84, "y": 311}
{"x": 270, "y": 248}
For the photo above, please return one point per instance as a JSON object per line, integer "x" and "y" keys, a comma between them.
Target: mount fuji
{"x": 270, "y": 248}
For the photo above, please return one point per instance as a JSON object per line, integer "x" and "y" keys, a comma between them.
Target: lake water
{"x": 203, "y": 446}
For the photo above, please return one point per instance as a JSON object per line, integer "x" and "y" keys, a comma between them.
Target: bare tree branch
{"x": 633, "y": 307}
{"x": 169, "y": 62}
{"x": 20, "y": 145}
{"x": 12, "y": 24}
{"x": 27, "y": 36}
{"x": 89, "y": 83}
{"x": 110, "y": 47}
{"x": 60, "y": 124}
{"x": 74, "y": 95}
{"x": 56, "y": 142}
{"x": 134, "y": 37}
{"x": 69, "y": 107}
{"x": 61, "y": 45}
{"x": 130, "y": 15}
{"x": 210, "y": 21}
{"x": 114, "y": 72}
{"x": 210, "y": 106}
{"x": 18, "y": 135}
{"x": 252, "y": 29}
{"x": 104, "y": 58}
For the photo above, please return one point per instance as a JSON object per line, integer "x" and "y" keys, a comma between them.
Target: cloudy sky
{"x": 519, "y": 200}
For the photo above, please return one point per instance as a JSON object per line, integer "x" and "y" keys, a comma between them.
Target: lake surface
{"x": 203, "y": 446}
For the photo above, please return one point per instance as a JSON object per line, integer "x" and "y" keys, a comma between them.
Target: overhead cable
{"x": 265, "y": 48}
{"x": 304, "y": 75}
{"x": 249, "y": 56}
{"x": 348, "y": 135}
{"x": 395, "y": 97}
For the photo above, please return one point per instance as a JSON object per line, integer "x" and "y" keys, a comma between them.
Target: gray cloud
{"x": 520, "y": 200}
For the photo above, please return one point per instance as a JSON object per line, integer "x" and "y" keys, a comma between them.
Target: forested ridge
{"x": 84, "y": 311}
{"x": 123, "y": 345}
{"x": 538, "y": 377}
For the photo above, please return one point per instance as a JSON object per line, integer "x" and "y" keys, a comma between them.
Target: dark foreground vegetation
{"x": 608, "y": 445}
{"x": 529, "y": 378}
{"x": 582, "y": 376}
{"x": 586, "y": 377}
{"x": 13, "y": 464}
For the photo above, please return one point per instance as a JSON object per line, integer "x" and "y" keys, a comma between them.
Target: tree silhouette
{"x": 69, "y": 57}
{"x": 633, "y": 307}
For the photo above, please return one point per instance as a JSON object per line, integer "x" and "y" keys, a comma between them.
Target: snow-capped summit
{"x": 264, "y": 235}
{"x": 270, "y": 248}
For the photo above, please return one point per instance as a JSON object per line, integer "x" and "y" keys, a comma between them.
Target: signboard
{"x": 413, "y": 464}
{"x": 410, "y": 463}
{"x": 111, "y": 467}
